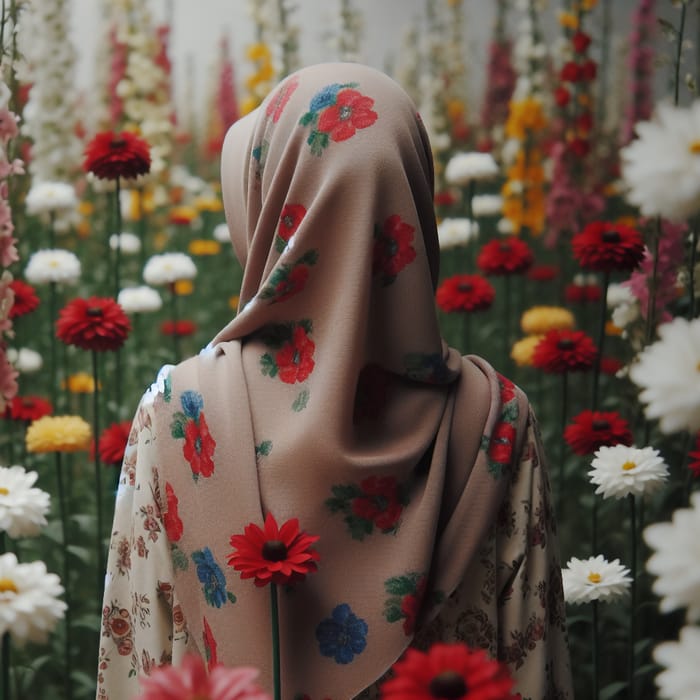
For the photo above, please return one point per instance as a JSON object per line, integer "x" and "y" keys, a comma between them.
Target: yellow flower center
{"x": 594, "y": 577}
{"x": 7, "y": 584}
{"x": 694, "y": 146}
{"x": 4, "y": 491}
{"x": 628, "y": 466}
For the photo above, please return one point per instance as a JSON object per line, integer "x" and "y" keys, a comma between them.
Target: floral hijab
{"x": 331, "y": 397}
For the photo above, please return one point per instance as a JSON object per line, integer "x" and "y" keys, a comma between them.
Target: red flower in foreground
{"x": 448, "y": 671}
{"x": 178, "y": 328}
{"x": 505, "y": 256}
{"x": 591, "y": 430}
{"x": 465, "y": 293}
{"x": 562, "y": 351}
{"x": 191, "y": 680}
{"x": 110, "y": 156}
{"x": 582, "y": 293}
{"x": 95, "y": 323}
{"x": 295, "y": 360}
{"x": 290, "y": 218}
{"x": 352, "y": 111}
{"x": 694, "y": 464}
{"x": 607, "y": 247}
{"x": 26, "y": 299}
{"x": 28, "y": 408}
{"x": 171, "y": 518}
{"x": 112, "y": 442}
{"x": 276, "y": 554}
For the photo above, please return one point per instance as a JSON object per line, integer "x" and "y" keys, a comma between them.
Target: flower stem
{"x": 633, "y": 594}
{"x": 63, "y": 508}
{"x": 594, "y": 650}
{"x": 601, "y": 340}
{"x": 53, "y": 378}
{"x": 564, "y": 399}
{"x": 679, "y": 50}
{"x": 98, "y": 480}
{"x": 653, "y": 284}
{"x": 118, "y": 227}
{"x": 275, "y": 642}
{"x": 173, "y": 313}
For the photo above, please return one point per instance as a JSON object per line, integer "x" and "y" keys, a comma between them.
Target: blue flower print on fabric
{"x": 325, "y": 97}
{"x": 211, "y": 577}
{"x": 342, "y": 635}
{"x": 192, "y": 404}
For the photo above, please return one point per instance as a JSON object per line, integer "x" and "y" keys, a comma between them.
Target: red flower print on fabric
{"x": 171, "y": 518}
{"x": 290, "y": 218}
{"x": 191, "y": 425}
{"x": 499, "y": 445}
{"x": 296, "y": 358}
{"x": 406, "y": 594}
{"x": 289, "y": 279}
{"x": 209, "y": 645}
{"x": 117, "y": 624}
{"x": 279, "y": 101}
{"x": 393, "y": 248}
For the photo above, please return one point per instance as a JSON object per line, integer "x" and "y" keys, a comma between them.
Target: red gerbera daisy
{"x": 505, "y": 256}
{"x": 694, "y": 464}
{"x": 295, "y": 360}
{"x": 95, "y": 323}
{"x": 110, "y": 156}
{"x": 465, "y": 293}
{"x": 178, "y": 328}
{"x": 274, "y": 554}
{"x": 607, "y": 247}
{"x": 26, "y": 299}
{"x": 28, "y": 408}
{"x": 171, "y": 518}
{"x": 582, "y": 293}
{"x": 562, "y": 351}
{"x": 352, "y": 111}
{"x": 290, "y": 218}
{"x": 542, "y": 273}
{"x": 112, "y": 442}
{"x": 591, "y": 430}
{"x": 448, "y": 671}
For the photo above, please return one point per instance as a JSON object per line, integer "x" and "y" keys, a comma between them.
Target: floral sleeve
{"x": 142, "y": 623}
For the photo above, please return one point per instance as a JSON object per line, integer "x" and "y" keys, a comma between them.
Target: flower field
{"x": 568, "y": 203}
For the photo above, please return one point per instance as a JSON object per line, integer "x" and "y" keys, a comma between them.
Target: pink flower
{"x": 191, "y": 682}
{"x": 8, "y": 379}
{"x": 8, "y": 250}
{"x": 8, "y": 125}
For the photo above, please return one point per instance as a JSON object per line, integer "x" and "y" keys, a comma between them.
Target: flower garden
{"x": 568, "y": 201}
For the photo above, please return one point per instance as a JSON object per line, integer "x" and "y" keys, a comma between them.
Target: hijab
{"x": 331, "y": 397}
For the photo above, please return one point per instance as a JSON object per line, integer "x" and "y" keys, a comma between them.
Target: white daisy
{"x": 221, "y": 233}
{"x": 487, "y": 204}
{"x": 456, "y": 232}
{"x": 462, "y": 168}
{"x": 595, "y": 578}
{"x": 25, "y": 360}
{"x": 167, "y": 268}
{"x": 22, "y": 507}
{"x": 680, "y": 680}
{"x": 29, "y": 604}
{"x": 50, "y": 197}
{"x": 668, "y": 372}
{"x": 52, "y": 265}
{"x": 129, "y": 243}
{"x": 139, "y": 300}
{"x": 676, "y": 559}
{"x": 505, "y": 227}
{"x": 661, "y": 168}
{"x": 620, "y": 470}
{"x": 618, "y": 294}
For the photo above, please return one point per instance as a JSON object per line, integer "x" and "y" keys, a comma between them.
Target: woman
{"x": 331, "y": 398}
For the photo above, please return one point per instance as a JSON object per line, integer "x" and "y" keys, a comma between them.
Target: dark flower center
{"x": 94, "y": 311}
{"x": 600, "y": 425}
{"x": 566, "y": 344}
{"x": 504, "y": 246}
{"x": 448, "y": 684}
{"x": 115, "y": 144}
{"x": 611, "y": 237}
{"x": 274, "y": 550}
{"x": 345, "y": 112}
{"x": 465, "y": 287}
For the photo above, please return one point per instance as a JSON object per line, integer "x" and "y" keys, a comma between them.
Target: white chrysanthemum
{"x": 129, "y": 243}
{"x": 595, "y": 578}
{"x": 53, "y": 265}
{"x": 139, "y": 300}
{"x": 487, "y": 204}
{"x": 25, "y": 360}
{"x": 668, "y": 372}
{"x": 462, "y": 168}
{"x": 50, "y": 197}
{"x": 661, "y": 168}
{"x": 29, "y": 604}
{"x": 168, "y": 268}
{"x": 221, "y": 233}
{"x": 505, "y": 227}
{"x": 456, "y": 232}
{"x": 620, "y": 470}
{"x": 22, "y": 507}
{"x": 676, "y": 560}
{"x": 625, "y": 314}
{"x": 618, "y": 294}
{"x": 680, "y": 680}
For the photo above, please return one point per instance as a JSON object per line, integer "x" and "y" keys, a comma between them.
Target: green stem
{"x": 594, "y": 650}
{"x": 98, "y": 481}
{"x": 601, "y": 339}
{"x": 679, "y": 50}
{"x": 174, "y": 315}
{"x": 633, "y": 595}
{"x": 564, "y": 400}
{"x": 275, "y": 642}
{"x": 53, "y": 378}
{"x": 63, "y": 508}
{"x": 118, "y": 227}
{"x": 604, "y": 61}
{"x": 653, "y": 284}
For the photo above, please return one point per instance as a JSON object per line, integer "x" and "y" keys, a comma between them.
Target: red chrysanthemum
{"x": 580, "y": 41}
{"x": 448, "y": 671}
{"x": 28, "y": 408}
{"x": 290, "y": 218}
{"x": 275, "y": 554}
{"x": 393, "y": 248}
{"x": 562, "y": 96}
{"x": 542, "y": 273}
{"x": 171, "y": 518}
{"x": 179, "y": 328}
{"x": 465, "y": 293}
{"x": 505, "y": 256}
{"x": 380, "y": 502}
{"x": 112, "y": 442}
{"x": 610, "y": 365}
{"x": 352, "y": 111}
{"x": 293, "y": 283}
{"x": 591, "y": 430}
{"x": 199, "y": 446}
{"x": 582, "y": 293}
{"x": 96, "y": 323}
{"x": 26, "y": 299}
{"x": 110, "y": 156}
{"x": 562, "y": 351}
{"x": 570, "y": 72}
{"x": 446, "y": 198}
{"x": 295, "y": 360}
{"x": 607, "y": 247}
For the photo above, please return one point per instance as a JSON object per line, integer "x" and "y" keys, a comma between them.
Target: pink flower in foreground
{"x": 191, "y": 682}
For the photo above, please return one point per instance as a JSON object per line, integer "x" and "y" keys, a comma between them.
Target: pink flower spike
{"x": 191, "y": 682}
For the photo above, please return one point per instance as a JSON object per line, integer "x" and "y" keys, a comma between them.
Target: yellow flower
{"x": 182, "y": 215}
{"x": 82, "y": 228}
{"x": 79, "y": 383}
{"x": 612, "y": 329}
{"x": 233, "y": 301}
{"x": 248, "y": 104}
{"x": 455, "y": 109}
{"x": 523, "y": 116}
{"x": 568, "y": 20}
{"x": 59, "y": 434}
{"x": 208, "y": 204}
{"x": 85, "y": 208}
{"x": 160, "y": 240}
{"x": 203, "y": 246}
{"x": 184, "y": 287}
{"x": 523, "y": 350}
{"x": 540, "y": 319}
{"x": 588, "y": 5}
{"x": 258, "y": 51}
{"x": 140, "y": 202}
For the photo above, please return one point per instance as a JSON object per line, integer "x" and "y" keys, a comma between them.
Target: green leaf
{"x": 611, "y": 690}
{"x": 307, "y": 118}
{"x": 346, "y": 492}
{"x": 309, "y": 258}
{"x": 263, "y": 449}
{"x": 177, "y": 426}
{"x": 359, "y": 527}
{"x": 392, "y": 611}
{"x": 280, "y": 244}
{"x": 83, "y": 554}
{"x": 231, "y": 597}
{"x": 301, "y": 401}
{"x": 334, "y": 504}
{"x": 307, "y": 325}
{"x": 667, "y": 29}
{"x": 401, "y": 585}
{"x": 179, "y": 558}
{"x": 318, "y": 141}
{"x": 268, "y": 366}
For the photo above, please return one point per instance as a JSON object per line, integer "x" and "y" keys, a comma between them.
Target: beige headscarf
{"x": 331, "y": 397}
